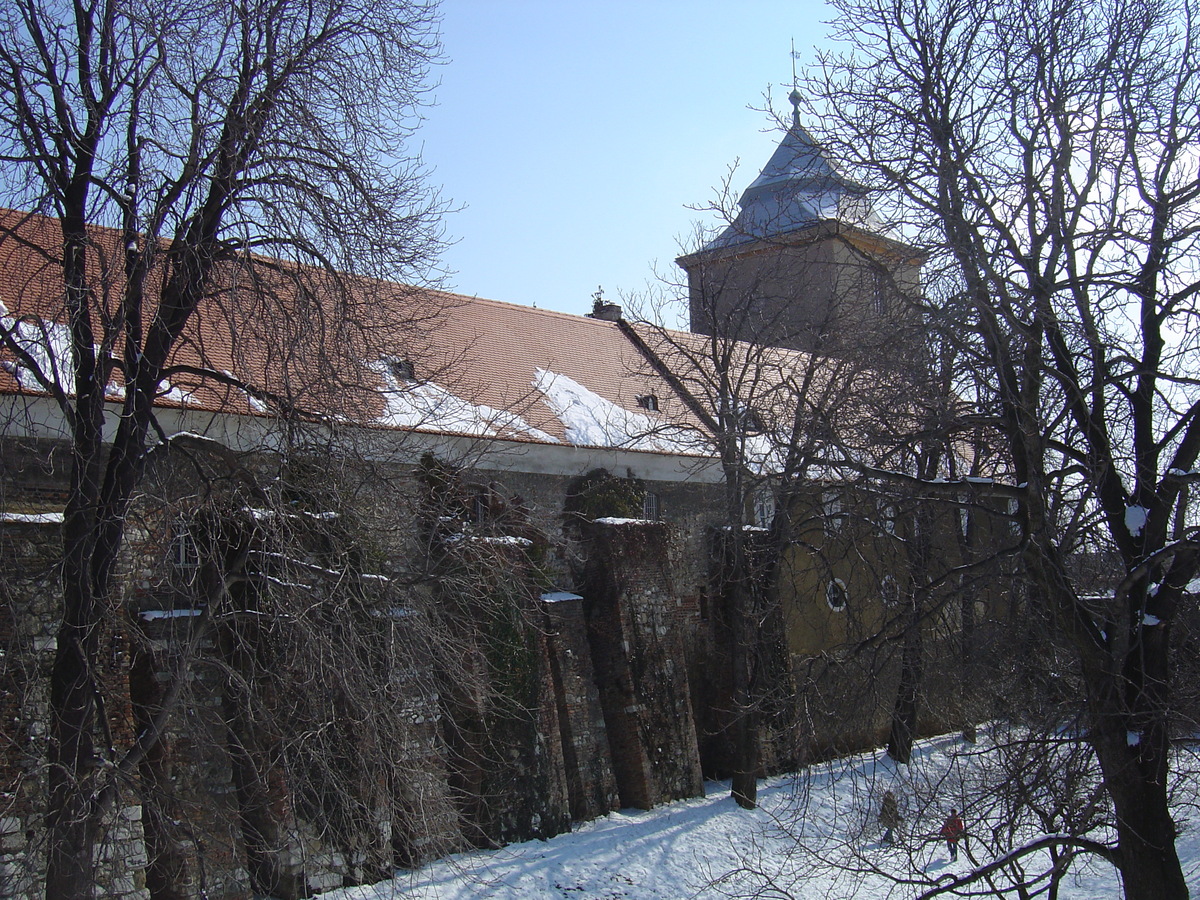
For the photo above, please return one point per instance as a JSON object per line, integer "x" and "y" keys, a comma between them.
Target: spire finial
{"x": 794, "y": 96}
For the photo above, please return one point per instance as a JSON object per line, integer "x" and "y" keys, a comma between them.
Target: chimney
{"x": 602, "y": 309}
{"x": 608, "y": 312}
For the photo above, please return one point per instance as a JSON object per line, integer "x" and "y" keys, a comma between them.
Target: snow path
{"x": 709, "y": 848}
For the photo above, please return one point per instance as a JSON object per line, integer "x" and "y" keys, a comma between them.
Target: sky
{"x": 573, "y": 135}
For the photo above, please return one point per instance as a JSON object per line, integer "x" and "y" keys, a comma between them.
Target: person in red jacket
{"x": 952, "y": 830}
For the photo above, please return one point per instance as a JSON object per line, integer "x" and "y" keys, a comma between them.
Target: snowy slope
{"x": 709, "y": 848}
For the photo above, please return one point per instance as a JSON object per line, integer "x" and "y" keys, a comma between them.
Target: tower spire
{"x": 794, "y": 96}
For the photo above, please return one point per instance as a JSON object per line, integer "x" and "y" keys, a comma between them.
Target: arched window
{"x": 650, "y": 507}
{"x": 835, "y": 594}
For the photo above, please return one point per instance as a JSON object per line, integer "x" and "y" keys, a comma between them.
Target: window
{"x": 1014, "y": 510}
{"x": 401, "y": 369}
{"x": 889, "y": 590}
{"x": 648, "y": 401}
{"x": 481, "y": 505}
{"x": 650, "y": 508}
{"x": 184, "y": 554}
{"x": 879, "y": 292}
{"x": 835, "y": 594}
{"x": 831, "y": 510}
{"x": 887, "y": 518}
{"x": 764, "y": 508}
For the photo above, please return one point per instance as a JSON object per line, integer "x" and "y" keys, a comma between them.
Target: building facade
{"x": 484, "y": 601}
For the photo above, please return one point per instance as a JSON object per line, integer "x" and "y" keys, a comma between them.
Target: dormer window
{"x": 751, "y": 422}
{"x": 648, "y": 401}
{"x": 401, "y": 369}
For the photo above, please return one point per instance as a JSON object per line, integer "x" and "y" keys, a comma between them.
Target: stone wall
{"x": 534, "y": 709}
{"x": 28, "y": 583}
{"x": 637, "y": 652}
{"x": 30, "y": 547}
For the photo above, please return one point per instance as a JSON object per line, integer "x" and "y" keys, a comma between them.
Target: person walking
{"x": 889, "y": 816}
{"x": 952, "y": 831}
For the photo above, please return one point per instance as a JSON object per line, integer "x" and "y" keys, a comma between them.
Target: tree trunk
{"x": 1146, "y": 835}
{"x": 70, "y": 831}
{"x": 744, "y": 787}
{"x": 1131, "y": 739}
{"x": 907, "y": 707}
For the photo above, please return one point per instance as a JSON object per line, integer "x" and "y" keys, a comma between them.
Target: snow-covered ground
{"x": 814, "y": 835}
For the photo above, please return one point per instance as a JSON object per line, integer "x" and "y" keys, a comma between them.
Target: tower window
{"x": 650, "y": 506}
{"x": 648, "y": 401}
{"x": 887, "y": 518}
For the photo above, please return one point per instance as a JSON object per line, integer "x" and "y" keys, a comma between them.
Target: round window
{"x": 835, "y": 594}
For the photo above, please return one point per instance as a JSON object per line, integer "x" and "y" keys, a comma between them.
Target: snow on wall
{"x": 51, "y": 518}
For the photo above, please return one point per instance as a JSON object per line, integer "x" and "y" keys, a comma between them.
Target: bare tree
{"x": 1045, "y": 153}
{"x": 177, "y": 147}
{"x": 776, "y": 393}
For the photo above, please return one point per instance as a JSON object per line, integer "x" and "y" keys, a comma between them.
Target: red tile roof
{"x": 483, "y": 352}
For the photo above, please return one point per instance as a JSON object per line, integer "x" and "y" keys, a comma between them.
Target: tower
{"x": 803, "y": 264}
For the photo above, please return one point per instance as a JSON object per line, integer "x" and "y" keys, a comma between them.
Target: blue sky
{"x": 576, "y": 132}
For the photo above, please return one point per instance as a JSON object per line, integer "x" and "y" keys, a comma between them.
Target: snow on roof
{"x": 483, "y": 368}
{"x": 560, "y": 596}
{"x": 431, "y": 407}
{"x": 591, "y": 420}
